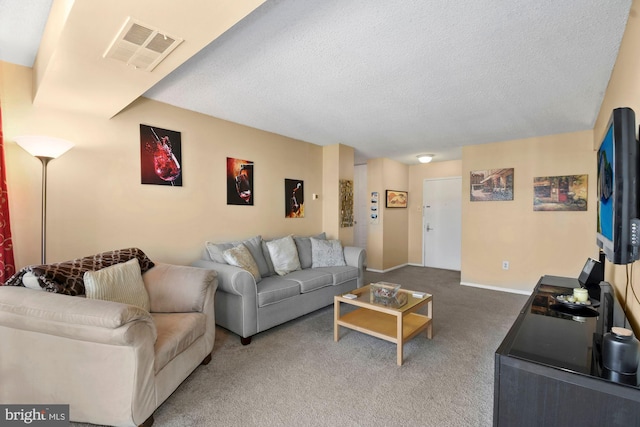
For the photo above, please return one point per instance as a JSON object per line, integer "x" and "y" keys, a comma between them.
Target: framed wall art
{"x": 239, "y": 182}
{"x": 294, "y": 198}
{"x": 346, "y": 203}
{"x": 160, "y": 156}
{"x": 491, "y": 185}
{"x": 560, "y": 193}
{"x": 396, "y": 199}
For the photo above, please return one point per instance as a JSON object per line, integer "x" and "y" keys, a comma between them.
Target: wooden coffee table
{"x": 397, "y": 325}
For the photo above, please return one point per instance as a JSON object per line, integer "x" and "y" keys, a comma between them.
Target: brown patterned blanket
{"x": 67, "y": 277}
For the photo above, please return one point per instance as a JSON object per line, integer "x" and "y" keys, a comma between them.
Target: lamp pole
{"x": 45, "y": 160}
{"x": 45, "y": 148}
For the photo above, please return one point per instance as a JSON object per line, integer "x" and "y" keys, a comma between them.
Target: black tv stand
{"x": 548, "y": 369}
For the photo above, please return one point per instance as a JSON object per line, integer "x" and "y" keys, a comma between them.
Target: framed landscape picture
{"x": 396, "y": 199}
{"x": 491, "y": 185}
{"x": 560, "y": 193}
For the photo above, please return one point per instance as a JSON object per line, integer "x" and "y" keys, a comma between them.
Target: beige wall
{"x": 534, "y": 243}
{"x": 624, "y": 91}
{"x": 387, "y": 245}
{"x": 417, "y": 176}
{"x": 96, "y": 201}
{"x": 338, "y": 165}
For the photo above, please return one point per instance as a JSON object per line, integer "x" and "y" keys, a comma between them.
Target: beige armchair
{"x": 112, "y": 363}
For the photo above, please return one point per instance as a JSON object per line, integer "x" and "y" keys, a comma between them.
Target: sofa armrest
{"x": 178, "y": 288}
{"x": 236, "y": 300}
{"x": 356, "y": 257}
{"x": 78, "y": 318}
{"x": 231, "y": 279}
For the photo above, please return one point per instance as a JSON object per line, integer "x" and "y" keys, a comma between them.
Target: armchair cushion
{"x": 176, "y": 332}
{"x": 118, "y": 283}
{"x": 177, "y": 288}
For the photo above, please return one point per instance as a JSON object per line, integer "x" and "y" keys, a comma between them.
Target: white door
{"x": 442, "y": 222}
{"x": 360, "y": 206}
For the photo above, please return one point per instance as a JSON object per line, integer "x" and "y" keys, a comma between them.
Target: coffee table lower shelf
{"x": 385, "y": 326}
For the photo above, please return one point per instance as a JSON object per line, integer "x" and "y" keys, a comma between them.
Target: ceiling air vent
{"x": 140, "y": 45}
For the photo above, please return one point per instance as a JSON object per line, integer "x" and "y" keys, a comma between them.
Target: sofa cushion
{"x": 310, "y": 280}
{"x": 254, "y": 245}
{"x": 241, "y": 257}
{"x": 119, "y": 283}
{"x": 267, "y": 257}
{"x": 326, "y": 253}
{"x": 275, "y": 289}
{"x": 340, "y": 274}
{"x": 303, "y": 244}
{"x": 284, "y": 255}
{"x": 176, "y": 332}
{"x": 217, "y": 249}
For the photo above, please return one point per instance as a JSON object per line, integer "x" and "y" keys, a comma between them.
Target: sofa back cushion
{"x": 303, "y": 244}
{"x": 254, "y": 244}
{"x": 119, "y": 283}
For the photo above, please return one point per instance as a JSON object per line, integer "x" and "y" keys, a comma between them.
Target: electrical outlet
{"x": 505, "y": 265}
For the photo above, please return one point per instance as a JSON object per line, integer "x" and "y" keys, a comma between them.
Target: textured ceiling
{"x": 396, "y": 78}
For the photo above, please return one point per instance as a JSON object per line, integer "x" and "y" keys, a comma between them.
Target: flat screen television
{"x": 618, "y": 188}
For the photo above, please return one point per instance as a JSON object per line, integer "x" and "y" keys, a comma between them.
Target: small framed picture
{"x": 396, "y": 199}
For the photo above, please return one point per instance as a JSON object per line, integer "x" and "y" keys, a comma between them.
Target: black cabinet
{"x": 548, "y": 369}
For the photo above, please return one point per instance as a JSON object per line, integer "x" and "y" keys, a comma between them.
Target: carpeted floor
{"x": 296, "y": 375}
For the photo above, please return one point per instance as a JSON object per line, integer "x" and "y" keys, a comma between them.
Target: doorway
{"x": 442, "y": 223}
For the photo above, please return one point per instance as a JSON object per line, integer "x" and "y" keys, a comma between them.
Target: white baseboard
{"x": 387, "y": 270}
{"x": 497, "y": 288}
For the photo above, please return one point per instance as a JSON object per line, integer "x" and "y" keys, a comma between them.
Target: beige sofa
{"x": 113, "y": 363}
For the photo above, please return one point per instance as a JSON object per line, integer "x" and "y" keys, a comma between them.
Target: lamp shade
{"x": 44, "y": 146}
{"x": 424, "y": 158}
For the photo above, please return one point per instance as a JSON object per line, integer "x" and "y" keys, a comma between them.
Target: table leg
{"x": 336, "y": 316}
{"x": 400, "y": 338}
{"x": 430, "y": 316}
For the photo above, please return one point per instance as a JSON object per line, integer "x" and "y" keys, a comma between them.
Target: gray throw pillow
{"x": 303, "y": 244}
{"x": 326, "y": 253}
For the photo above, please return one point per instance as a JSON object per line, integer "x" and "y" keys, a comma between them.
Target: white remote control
{"x": 350, "y": 296}
{"x": 418, "y": 294}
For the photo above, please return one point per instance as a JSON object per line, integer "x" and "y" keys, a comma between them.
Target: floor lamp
{"x": 45, "y": 148}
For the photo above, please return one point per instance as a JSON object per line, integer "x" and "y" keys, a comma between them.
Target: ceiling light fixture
{"x": 425, "y": 158}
